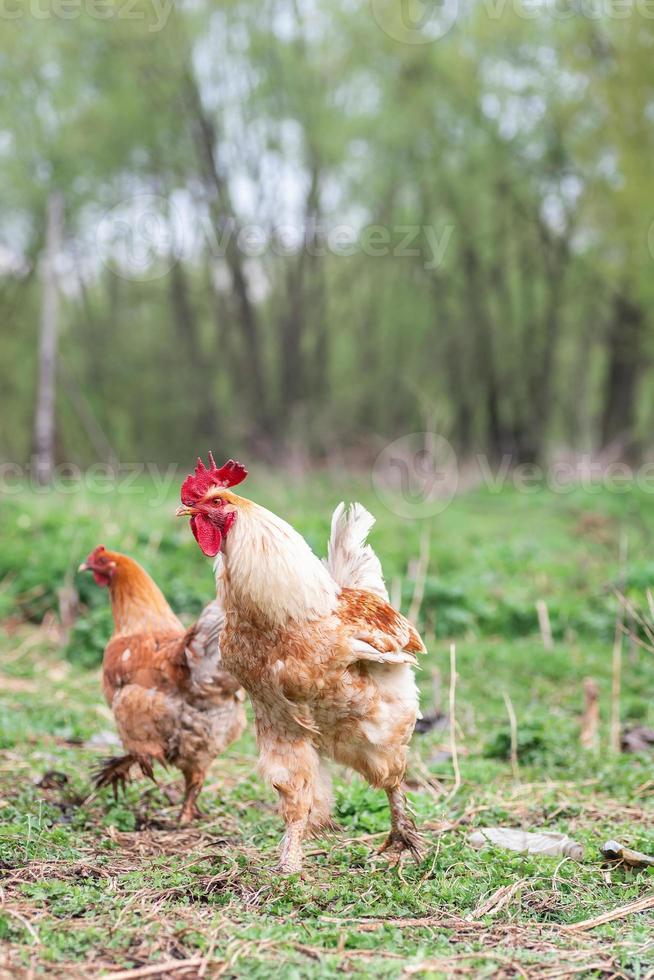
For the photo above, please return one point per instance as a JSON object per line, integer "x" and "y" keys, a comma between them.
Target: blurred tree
{"x": 44, "y": 416}
{"x": 286, "y": 228}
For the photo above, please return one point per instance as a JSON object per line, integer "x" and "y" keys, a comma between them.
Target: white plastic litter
{"x": 543, "y": 842}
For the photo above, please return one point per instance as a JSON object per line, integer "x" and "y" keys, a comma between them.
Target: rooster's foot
{"x": 403, "y": 839}
{"x": 290, "y": 852}
{"x": 289, "y": 866}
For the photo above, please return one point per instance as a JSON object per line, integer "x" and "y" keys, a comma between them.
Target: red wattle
{"x": 206, "y": 534}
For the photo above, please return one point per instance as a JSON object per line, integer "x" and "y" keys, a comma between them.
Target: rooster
{"x": 172, "y": 700}
{"x": 325, "y": 658}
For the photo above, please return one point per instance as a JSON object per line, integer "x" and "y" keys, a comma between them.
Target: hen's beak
{"x": 83, "y": 567}
{"x": 184, "y": 511}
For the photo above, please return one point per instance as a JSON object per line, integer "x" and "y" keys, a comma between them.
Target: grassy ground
{"x": 87, "y": 889}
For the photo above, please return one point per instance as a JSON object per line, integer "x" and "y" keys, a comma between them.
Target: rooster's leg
{"x": 193, "y": 784}
{"x": 292, "y": 768}
{"x": 290, "y": 851}
{"x": 320, "y": 816}
{"x": 403, "y": 835}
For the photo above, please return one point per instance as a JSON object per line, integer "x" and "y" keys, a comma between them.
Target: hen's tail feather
{"x": 203, "y": 638}
{"x": 114, "y": 771}
{"x": 351, "y": 562}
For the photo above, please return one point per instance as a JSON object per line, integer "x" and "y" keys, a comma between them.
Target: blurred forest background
{"x": 302, "y": 227}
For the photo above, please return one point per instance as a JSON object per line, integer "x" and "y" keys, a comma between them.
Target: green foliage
{"x": 109, "y": 884}
{"x": 477, "y": 585}
{"x": 532, "y": 745}
{"x": 88, "y": 637}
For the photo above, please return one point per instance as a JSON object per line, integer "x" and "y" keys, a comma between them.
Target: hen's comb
{"x": 197, "y": 484}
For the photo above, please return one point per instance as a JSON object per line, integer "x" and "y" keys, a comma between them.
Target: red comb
{"x": 197, "y": 484}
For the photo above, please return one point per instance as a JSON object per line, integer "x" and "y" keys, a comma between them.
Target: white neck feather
{"x": 271, "y": 573}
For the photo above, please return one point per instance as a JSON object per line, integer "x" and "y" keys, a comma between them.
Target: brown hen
{"x": 171, "y": 698}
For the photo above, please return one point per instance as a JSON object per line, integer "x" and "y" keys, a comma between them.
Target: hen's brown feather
{"x": 171, "y": 698}
{"x": 149, "y": 660}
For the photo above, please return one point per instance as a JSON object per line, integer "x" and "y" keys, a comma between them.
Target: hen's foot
{"x": 190, "y": 812}
{"x": 193, "y": 781}
{"x": 289, "y": 867}
{"x": 172, "y": 794}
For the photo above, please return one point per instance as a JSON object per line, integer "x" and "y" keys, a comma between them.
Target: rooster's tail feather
{"x": 351, "y": 562}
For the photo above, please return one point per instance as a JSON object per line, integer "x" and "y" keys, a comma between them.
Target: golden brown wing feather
{"x": 149, "y": 660}
{"x": 372, "y": 622}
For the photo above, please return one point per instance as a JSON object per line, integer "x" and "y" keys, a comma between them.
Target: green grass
{"x": 91, "y": 887}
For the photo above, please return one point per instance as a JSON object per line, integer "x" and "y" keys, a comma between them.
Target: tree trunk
{"x": 201, "y": 367}
{"x": 625, "y": 362}
{"x": 223, "y": 214}
{"x": 292, "y": 325}
{"x": 498, "y": 440}
{"x": 318, "y": 376}
{"x": 541, "y": 345}
{"x": 44, "y": 420}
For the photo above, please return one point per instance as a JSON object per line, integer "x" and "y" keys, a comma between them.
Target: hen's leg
{"x": 193, "y": 780}
{"x": 292, "y": 769}
{"x": 404, "y": 835}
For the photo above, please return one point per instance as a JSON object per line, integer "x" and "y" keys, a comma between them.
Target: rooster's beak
{"x": 184, "y": 511}
{"x": 83, "y": 567}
